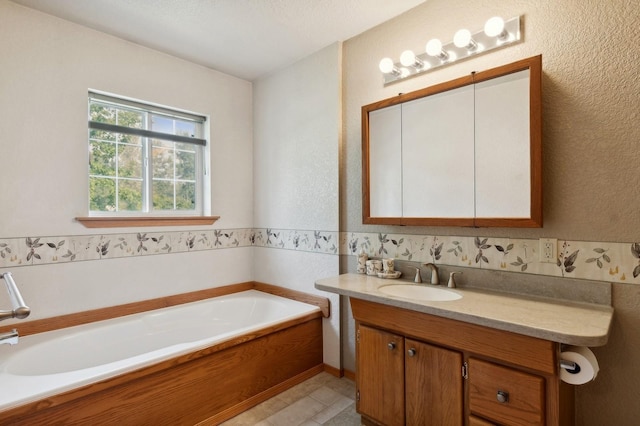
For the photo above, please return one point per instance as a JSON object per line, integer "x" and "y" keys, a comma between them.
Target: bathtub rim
{"x": 87, "y": 317}
{"x": 27, "y": 328}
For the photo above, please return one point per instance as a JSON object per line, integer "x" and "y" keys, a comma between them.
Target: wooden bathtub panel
{"x": 192, "y": 391}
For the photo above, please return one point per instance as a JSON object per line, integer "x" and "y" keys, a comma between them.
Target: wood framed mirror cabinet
{"x": 467, "y": 152}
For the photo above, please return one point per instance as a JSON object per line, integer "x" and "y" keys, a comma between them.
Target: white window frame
{"x": 202, "y": 180}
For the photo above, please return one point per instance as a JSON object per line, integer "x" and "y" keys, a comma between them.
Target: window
{"x": 144, "y": 160}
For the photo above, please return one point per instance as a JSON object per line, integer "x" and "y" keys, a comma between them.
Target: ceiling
{"x": 244, "y": 38}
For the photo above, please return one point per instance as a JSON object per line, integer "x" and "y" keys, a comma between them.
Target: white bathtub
{"x": 45, "y": 364}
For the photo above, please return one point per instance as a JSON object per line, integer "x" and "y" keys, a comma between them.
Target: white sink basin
{"x": 420, "y": 292}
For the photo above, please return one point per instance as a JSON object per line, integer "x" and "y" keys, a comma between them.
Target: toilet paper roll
{"x": 585, "y": 359}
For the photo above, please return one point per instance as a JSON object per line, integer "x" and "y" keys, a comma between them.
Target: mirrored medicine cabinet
{"x": 467, "y": 152}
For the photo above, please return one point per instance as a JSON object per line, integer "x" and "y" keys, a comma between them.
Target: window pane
{"x": 185, "y": 195}
{"x": 159, "y": 143}
{"x": 129, "y": 139}
{"x": 102, "y": 113}
{"x": 129, "y": 195}
{"x": 102, "y": 135}
{"x": 163, "y": 163}
{"x": 102, "y": 158}
{"x": 186, "y": 146}
{"x": 185, "y": 128}
{"x": 162, "y": 195}
{"x": 102, "y": 194}
{"x": 162, "y": 124}
{"x": 185, "y": 165}
{"x": 134, "y": 119}
{"x": 130, "y": 161}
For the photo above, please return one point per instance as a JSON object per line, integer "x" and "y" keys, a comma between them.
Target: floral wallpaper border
{"x": 611, "y": 262}
{"x": 37, "y": 250}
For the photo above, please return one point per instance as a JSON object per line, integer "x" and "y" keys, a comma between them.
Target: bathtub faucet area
{"x": 18, "y": 308}
{"x": 10, "y": 337}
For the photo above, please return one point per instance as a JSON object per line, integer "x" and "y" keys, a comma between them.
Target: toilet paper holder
{"x": 570, "y": 366}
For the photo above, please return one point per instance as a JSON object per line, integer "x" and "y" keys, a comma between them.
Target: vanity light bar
{"x": 496, "y": 34}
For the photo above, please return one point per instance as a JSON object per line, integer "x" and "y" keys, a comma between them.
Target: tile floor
{"x": 321, "y": 400}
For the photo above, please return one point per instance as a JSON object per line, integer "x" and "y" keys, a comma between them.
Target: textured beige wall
{"x": 590, "y": 62}
{"x": 591, "y": 132}
{"x": 296, "y": 120}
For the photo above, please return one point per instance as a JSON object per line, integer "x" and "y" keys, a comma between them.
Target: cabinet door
{"x": 434, "y": 385}
{"x": 380, "y": 375}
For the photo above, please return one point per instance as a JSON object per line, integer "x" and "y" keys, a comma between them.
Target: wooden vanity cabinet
{"x": 380, "y": 375}
{"x": 405, "y": 381}
{"x": 419, "y": 369}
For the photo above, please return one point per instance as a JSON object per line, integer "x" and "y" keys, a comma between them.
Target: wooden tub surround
{"x": 204, "y": 387}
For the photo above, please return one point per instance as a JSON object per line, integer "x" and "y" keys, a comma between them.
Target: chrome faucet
{"x": 434, "y": 273}
{"x": 10, "y": 337}
{"x": 19, "y": 309}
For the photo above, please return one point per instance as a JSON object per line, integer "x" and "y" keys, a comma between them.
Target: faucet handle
{"x": 452, "y": 281}
{"x": 418, "y": 277}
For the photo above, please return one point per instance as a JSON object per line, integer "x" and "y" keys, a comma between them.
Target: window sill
{"x": 137, "y": 221}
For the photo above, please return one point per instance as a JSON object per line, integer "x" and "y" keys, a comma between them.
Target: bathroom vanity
{"x": 483, "y": 359}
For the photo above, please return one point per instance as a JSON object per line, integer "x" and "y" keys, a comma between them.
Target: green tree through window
{"x": 143, "y": 159}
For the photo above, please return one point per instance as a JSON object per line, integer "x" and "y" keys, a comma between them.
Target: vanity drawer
{"x": 505, "y": 395}
{"x": 477, "y": 421}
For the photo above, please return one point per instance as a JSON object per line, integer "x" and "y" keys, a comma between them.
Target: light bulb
{"x": 434, "y": 47}
{"x": 495, "y": 27}
{"x": 462, "y": 39}
{"x": 408, "y": 58}
{"x": 386, "y": 65}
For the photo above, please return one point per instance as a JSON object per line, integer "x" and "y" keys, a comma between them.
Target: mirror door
{"x": 462, "y": 153}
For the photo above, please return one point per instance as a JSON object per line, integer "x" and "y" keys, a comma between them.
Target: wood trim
{"x": 418, "y": 221}
{"x": 351, "y": 375}
{"x": 336, "y": 372}
{"x": 85, "y": 317}
{"x": 138, "y": 221}
{"x": 511, "y": 348}
{"x": 322, "y": 302}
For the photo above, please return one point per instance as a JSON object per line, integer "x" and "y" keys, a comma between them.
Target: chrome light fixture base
{"x": 480, "y": 44}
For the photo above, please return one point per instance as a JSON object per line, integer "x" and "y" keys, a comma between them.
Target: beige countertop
{"x": 579, "y": 324}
